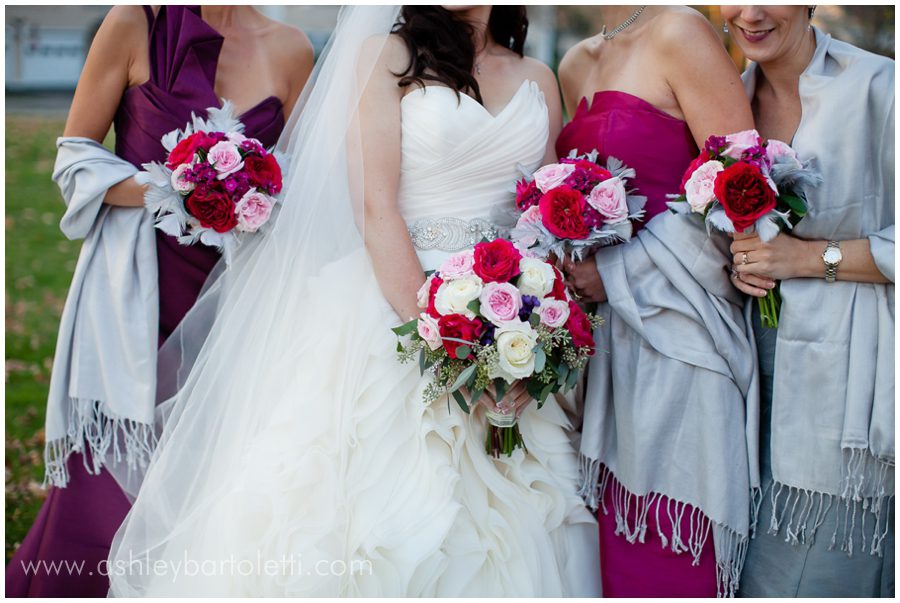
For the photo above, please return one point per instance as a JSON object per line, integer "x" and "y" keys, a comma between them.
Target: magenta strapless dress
{"x": 659, "y": 147}
{"x": 76, "y": 524}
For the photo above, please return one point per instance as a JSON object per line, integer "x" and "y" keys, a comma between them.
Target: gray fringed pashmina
{"x": 833, "y": 398}
{"x": 670, "y": 406}
{"x": 103, "y": 387}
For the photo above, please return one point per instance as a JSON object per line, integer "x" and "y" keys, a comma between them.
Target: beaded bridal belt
{"x": 451, "y": 234}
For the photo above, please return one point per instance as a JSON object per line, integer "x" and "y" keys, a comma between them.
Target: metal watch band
{"x": 831, "y": 269}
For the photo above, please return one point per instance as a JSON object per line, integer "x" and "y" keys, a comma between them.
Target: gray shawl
{"x": 673, "y": 392}
{"x": 833, "y": 398}
{"x": 103, "y": 385}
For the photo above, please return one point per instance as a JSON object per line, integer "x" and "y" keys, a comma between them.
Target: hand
{"x": 783, "y": 257}
{"x": 584, "y": 280}
{"x": 515, "y": 400}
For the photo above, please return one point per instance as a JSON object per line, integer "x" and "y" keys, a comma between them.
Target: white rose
{"x": 454, "y": 296}
{"x": 515, "y": 346}
{"x": 537, "y": 277}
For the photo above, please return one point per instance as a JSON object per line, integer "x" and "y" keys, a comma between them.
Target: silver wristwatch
{"x": 832, "y": 257}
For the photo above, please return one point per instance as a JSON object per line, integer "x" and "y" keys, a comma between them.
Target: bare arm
{"x": 786, "y": 257}
{"x": 298, "y": 65}
{"x": 544, "y": 77}
{"x": 106, "y": 75}
{"x": 572, "y": 70}
{"x": 700, "y": 73}
{"x": 387, "y": 240}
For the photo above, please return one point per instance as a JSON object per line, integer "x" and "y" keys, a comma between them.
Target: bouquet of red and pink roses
{"x": 571, "y": 207}
{"x": 741, "y": 183}
{"x": 492, "y": 317}
{"x": 215, "y": 185}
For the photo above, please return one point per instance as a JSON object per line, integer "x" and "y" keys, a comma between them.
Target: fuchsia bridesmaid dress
{"x": 659, "y": 147}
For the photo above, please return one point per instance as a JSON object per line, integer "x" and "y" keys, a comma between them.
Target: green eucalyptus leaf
{"x": 407, "y": 328}
{"x": 463, "y": 377}
{"x": 461, "y": 400}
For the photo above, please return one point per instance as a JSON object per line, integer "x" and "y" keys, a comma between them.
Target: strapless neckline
{"x": 207, "y": 45}
{"x": 627, "y": 98}
{"x": 526, "y": 84}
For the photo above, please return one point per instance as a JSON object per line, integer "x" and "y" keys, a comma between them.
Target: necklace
{"x": 625, "y": 24}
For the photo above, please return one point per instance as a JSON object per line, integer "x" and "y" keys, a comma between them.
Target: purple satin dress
{"x": 659, "y": 147}
{"x": 76, "y": 524}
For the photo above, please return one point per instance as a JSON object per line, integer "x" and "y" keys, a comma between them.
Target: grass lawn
{"x": 39, "y": 265}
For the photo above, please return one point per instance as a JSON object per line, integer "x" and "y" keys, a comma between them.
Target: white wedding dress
{"x": 347, "y": 479}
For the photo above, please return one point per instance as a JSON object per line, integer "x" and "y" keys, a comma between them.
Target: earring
{"x": 725, "y": 27}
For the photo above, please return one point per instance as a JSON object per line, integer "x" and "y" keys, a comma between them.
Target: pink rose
{"x": 500, "y": 302}
{"x": 225, "y": 158}
{"x": 178, "y": 181}
{"x": 429, "y": 331}
{"x": 551, "y": 176}
{"x": 532, "y": 215}
{"x": 700, "y": 187}
{"x": 609, "y": 198}
{"x": 780, "y": 152}
{"x": 740, "y": 142}
{"x": 553, "y": 312}
{"x": 424, "y": 294}
{"x": 253, "y": 210}
{"x": 458, "y": 265}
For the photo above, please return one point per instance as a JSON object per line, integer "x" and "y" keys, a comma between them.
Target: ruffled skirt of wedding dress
{"x": 352, "y": 486}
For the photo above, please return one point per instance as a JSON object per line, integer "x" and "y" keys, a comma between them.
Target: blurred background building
{"x": 46, "y": 45}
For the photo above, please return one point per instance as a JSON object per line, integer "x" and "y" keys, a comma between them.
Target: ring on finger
{"x": 745, "y": 258}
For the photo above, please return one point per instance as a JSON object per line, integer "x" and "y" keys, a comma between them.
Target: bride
{"x": 298, "y": 458}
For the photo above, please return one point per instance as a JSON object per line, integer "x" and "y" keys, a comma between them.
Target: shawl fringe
{"x": 801, "y": 512}
{"x": 731, "y": 546}
{"x": 92, "y": 427}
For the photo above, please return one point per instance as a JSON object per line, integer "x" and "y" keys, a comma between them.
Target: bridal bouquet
{"x": 571, "y": 207}
{"x": 491, "y": 317}
{"x": 740, "y": 183}
{"x": 215, "y": 185}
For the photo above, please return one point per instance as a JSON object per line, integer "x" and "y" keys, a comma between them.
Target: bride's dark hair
{"x": 441, "y": 46}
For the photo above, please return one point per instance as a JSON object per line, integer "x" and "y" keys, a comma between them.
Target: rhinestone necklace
{"x": 625, "y": 24}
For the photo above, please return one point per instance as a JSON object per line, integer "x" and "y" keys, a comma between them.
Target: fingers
{"x": 744, "y": 241}
{"x": 751, "y": 284}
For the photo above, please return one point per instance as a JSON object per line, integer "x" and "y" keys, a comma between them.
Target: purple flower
{"x": 487, "y": 338}
{"x": 714, "y": 145}
{"x": 231, "y": 185}
{"x": 757, "y": 156}
{"x": 529, "y": 303}
{"x": 582, "y": 180}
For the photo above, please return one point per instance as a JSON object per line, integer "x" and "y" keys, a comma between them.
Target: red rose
{"x": 497, "y": 261}
{"x": 700, "y": 160}
{"x": 559, "y": 286}
{"x": 458, "y": 326}
{"x": 744, "y": 194}
{"x": 580, "y": 327}
{"x": 436, "y": 283}
{"x": 527, "y": 194}
{"x": 264, "y": 172}
{"x": 184, "y": 150}
{"x": 213, "y": 208}
{"x": 562, "y": 213}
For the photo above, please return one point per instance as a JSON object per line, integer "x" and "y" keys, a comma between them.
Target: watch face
{"x": 832, "y": 255}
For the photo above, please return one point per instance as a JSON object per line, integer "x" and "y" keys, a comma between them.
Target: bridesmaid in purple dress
{"x": 193, "y": 59}
{"x": 648, "y": 92}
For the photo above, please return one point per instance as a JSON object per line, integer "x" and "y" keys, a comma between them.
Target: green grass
{"x": 39, "y": 265}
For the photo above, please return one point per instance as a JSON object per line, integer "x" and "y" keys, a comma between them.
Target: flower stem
{"x": 769, "y": 308}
